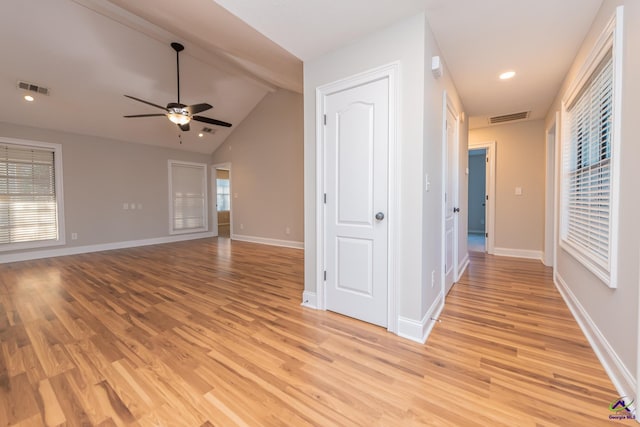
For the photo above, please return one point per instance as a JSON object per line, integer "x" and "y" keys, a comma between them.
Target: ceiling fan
{"x": 176, "y": 112}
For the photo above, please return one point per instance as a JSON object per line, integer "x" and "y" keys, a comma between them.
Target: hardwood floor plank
{"x": 211, "y": 333}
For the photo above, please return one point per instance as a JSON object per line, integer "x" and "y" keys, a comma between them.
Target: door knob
{"x": 379, "y": 216}
{"x": 456, "y": 210}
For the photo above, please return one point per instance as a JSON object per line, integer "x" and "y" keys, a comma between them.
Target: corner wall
{"x": 419, "y": 151}
{"x": 266, "y": 156}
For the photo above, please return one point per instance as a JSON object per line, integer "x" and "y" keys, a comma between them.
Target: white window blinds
{"x": 591, "y": 157}
{"x": 188, "y": 193}
{"x": 588, "y": 165}
{"x": 28, "y": 203}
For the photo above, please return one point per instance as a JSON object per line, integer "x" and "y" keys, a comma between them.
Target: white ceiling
{"x": 92, "y": 52}
{"x": 479, "y": 40}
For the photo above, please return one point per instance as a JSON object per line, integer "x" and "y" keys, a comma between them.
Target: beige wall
{"x": 614, "y": 312}
{"x": 99, "y": 175}
{"x": 266, "y": 156}
{"x": 520, "y": 162}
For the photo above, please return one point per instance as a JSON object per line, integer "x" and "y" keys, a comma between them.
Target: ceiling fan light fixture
{"x": 179, "y": 118}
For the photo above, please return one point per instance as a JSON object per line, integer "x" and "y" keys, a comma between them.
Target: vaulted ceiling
{"x": 90, "y": 53}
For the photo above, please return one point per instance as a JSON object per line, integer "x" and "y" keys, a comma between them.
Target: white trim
{"x": 268, "y": 241}
{"x": 419, "y": 331}
{"x": 463, "y": 266}
{"x": 550, "y": 194}
{"x": 309, "y": 300}
{"x": 75, "y": 250}
{"x": 518, "y": 253}
{"x": 391, "y": 72}
{"x": 622, "y": 379}
{"x": 57, "y": 159}
{"x": 490, "y": 207}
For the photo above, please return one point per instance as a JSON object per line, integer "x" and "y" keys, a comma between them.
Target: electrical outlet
{"x": 74, "y": 236}
{"x": 125, "y": 206}
{"x": 241, "y": 226}
{"x": 287, "y": 230}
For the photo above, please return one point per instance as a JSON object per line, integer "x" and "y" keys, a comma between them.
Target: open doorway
{"x": 482, "y": 190}
{"x": 477, "y": 200}
{"x": 223, "y": 201}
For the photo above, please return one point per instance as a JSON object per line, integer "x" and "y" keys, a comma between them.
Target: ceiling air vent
{"x": 33, "y": 87}
{"x": 509, "y": 118}
{"x": 208, "y": 130}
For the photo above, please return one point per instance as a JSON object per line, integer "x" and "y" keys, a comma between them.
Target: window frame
{"x": 205, "y": 210}
{"x": 228, "y": 195}
{"x": 610, "y": 40}
{"x": 58, "y": 183}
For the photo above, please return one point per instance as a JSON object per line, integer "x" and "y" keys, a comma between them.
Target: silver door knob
{"x": 379, "y": 216}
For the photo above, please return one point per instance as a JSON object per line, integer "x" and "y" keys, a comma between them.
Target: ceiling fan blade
{"x": 211, "y": 121}
{"x": 185, "y": 127}
{"x": 198, "y": 108}
{"x": 146, "y": 102}
{"x": 145, "y": 115}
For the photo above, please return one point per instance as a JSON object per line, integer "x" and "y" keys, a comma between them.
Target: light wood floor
{"x": 212, "y": 333}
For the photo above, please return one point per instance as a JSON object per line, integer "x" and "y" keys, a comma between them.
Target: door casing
{"x": 449, "y": 108}
{"x": 390, "y": 72}
{"x": 490, "y": 207}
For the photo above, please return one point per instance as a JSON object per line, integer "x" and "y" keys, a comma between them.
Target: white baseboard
{"x": 310, "y": 300}
{"x": 622, "y": 379}
{"x": 518, "y": 253}
{"x": 267, "y": 241}
{"x": 419, "y": 331}
{"x": 75, "y": 250}
{"x": 463, "y": 266}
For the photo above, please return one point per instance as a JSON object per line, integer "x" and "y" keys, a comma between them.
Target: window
{"x": 591, "y": 114}
{"x": 30, "y": 194}
{"x": 188, "y": 197}
{"x": 224, "y": 196}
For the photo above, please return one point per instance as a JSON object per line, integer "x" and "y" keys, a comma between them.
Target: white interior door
{"x": 450, "y": 201}
{"x": 356, "y": 195}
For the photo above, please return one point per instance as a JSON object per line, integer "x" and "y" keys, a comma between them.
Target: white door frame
{"x": 391, "y": 72}
{"x": 447, "y": 106}
{"x": 550, "y": 223}
{"x": 490, "y": 206}
{"x": 214, "y": 186}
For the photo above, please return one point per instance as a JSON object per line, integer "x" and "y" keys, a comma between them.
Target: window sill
{"x": 602, "y": 273}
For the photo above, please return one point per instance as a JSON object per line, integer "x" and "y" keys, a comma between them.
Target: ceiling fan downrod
{"x": 178, "y": 48}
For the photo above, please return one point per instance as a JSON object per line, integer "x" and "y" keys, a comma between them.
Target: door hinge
{"x": 325, "y": 119}
{"x": 325, "y": 198}
{"x": 487, "y": 159}
{"x": 325, "y": 275}
{"x": 486, "y": 234}
{"x": 487, "y": 197}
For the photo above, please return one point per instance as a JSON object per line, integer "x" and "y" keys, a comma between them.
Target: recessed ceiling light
{"x": 200, "y": 134}
{"x": 28, "y": 98}
{"x": 507, "y": 75}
